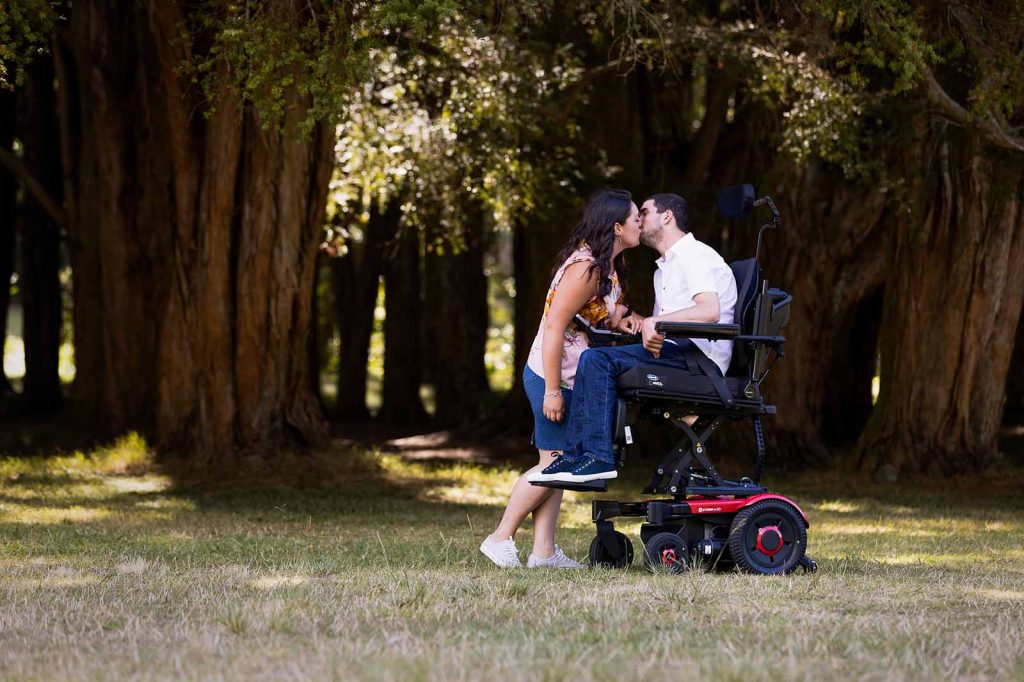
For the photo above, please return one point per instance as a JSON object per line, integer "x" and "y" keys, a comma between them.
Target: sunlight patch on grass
{"x": 838, "y": 506}
{"x": 48, "y": 515}
{"x": 1004, "y": 595}
{"x": 270, "y": 582}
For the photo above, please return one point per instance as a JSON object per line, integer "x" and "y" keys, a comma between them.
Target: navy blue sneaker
{"x": 589, "y": 469}
{"x": 563, "y": 463}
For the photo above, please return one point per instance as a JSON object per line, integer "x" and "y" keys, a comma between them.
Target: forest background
{"x": 238, "y": 228}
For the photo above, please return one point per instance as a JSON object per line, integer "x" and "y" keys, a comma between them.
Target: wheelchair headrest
{"x": 736, "y": 201}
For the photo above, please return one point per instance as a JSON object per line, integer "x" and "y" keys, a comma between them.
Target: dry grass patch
{"x": 114, "y": 570}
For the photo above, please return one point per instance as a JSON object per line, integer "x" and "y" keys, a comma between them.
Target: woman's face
{"x": 629, "y": 231}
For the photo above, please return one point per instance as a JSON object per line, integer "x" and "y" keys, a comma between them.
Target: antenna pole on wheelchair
{"x": 776, "y": 222}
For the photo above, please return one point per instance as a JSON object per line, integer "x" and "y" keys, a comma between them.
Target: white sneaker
{"x": 502, "y": 553}
{"x": 556, "y": 560}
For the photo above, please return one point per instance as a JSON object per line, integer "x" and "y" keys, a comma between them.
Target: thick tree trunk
{"x": 829, "y": 255}
{"x": 951, "y": 313}
{"x": 462, "y": 316}
{"x": 356, "y": 283}
{"x": 40, "y": 253}
{"x": 1013, "y": 413}
{"x": 403, "y": 353}
{"x": 8, "y": 200}
{"x": 194, "y": 241}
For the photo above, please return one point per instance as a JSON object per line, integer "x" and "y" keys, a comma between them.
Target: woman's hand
{"x": 554, "y": 406}
{"x": 631, "y": 324}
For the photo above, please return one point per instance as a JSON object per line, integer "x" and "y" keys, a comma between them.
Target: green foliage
{"x": 464, "y": 129}
{"x": 974, "y": 50}
{"x": 273, "y": 51}
{"x": 26, "y": 29}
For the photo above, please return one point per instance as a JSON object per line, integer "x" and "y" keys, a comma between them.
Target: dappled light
{"x": 293, "y": 296}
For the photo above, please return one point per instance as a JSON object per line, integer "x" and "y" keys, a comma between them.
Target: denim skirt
{"x": 547, "y": 435}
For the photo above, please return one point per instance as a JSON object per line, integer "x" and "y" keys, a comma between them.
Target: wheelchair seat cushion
{"x": 674, "y": 382}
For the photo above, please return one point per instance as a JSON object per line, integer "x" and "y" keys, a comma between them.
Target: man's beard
{"x": 649, "y": 237}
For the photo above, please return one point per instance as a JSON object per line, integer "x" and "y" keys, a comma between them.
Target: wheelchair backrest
{"x": 746, "y": 273}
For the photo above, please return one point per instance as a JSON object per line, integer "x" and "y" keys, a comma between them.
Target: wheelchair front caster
{"x": 665, "y": 551}
{"x": 603, "y": 557}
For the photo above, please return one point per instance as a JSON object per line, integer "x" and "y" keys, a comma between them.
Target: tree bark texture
{"x": 194, "y": 246}
{"x": 403, "y": 352}
{"x": 41, "y": 240}
{"x": 1013, "y": 413}
{"x": 356, "y": 283}
{"x": 462, "y": 317}
{"x": 830, "y": 255}
{"x": 8, "y": 204}
{"x": 951, "y": 312}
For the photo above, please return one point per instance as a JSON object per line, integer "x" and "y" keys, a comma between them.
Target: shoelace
{"x": 559, "y": 558}
{"x": 509, "y": 549}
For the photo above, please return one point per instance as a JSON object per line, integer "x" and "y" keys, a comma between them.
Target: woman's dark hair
{"x": 604, "y": 208}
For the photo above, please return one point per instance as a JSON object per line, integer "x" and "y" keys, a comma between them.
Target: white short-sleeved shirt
{"x": 689, "y": 268}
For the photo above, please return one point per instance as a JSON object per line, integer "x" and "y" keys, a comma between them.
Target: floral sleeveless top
{"x": 574, "y": 341}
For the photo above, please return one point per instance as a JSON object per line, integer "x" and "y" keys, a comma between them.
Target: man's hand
{"x": 652, "y": 339}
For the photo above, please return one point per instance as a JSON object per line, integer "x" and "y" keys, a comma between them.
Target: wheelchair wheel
{"x": 666, "y": 552}
{"x": 600, "y": 556}
{"x": 768, "y": 537}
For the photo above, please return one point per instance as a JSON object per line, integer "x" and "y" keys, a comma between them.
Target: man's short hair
{"x": 675, "y": 203}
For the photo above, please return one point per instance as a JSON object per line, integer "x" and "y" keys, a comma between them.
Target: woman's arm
{"x": 578, "y": 285}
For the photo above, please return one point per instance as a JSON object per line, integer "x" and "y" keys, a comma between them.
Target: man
{"x": 692, "y": 284}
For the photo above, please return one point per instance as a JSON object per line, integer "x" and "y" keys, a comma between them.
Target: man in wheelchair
{"x": 691, "y": 285}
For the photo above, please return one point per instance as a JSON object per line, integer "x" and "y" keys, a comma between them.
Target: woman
{"x": 586, "y": 281}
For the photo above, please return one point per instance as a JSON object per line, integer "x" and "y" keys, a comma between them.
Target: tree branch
{"x": 953, "y": 110}
{"x": 34, "y": 187}
{"x": 993, "y": 132}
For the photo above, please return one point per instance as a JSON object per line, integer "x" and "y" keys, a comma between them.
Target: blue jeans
{"x": 593, "y": 406}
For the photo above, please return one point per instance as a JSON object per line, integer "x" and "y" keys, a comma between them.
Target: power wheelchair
{"x": 706, "y": 518}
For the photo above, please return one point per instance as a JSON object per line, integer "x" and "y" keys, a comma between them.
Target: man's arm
{"x": 706, "y": 308}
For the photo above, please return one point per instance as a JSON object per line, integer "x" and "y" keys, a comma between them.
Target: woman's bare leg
{"x": 524, "y": 499}
{"x": 545, "y": 520}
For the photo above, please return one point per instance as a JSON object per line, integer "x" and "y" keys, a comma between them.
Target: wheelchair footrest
{"x": 588, "y": 487}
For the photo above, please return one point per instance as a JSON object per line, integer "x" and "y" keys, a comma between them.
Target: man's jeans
{"x": 593, "y": 395}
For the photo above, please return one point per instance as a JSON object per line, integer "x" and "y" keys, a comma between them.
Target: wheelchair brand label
{"x": 654, "y": 380}
{"x": 629, "y": 435}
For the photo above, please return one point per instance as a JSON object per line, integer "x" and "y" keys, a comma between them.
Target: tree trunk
{"x": 403, "y": 353}
{"x": 462, "y": 317}
{"x": 40, "y": 253}
{"x": 194, "y": 241}
{"x": 8, "y": 200}
{"x": 951, "y": 313}
{"x": 1013, "y": 413}
{"x": 356, "y": 283}
{"x": 830, "y": 255}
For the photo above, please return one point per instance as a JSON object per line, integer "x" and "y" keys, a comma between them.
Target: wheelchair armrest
{"x": 774, "y": 341}
{"x": 603, "y": 337}
{"x": 699, "y": 330}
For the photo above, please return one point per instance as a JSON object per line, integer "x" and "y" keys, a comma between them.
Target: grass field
{"x": 108, "y": 568}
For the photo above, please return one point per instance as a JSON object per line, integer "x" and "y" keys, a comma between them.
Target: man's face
{"x": 651, "y": 223}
